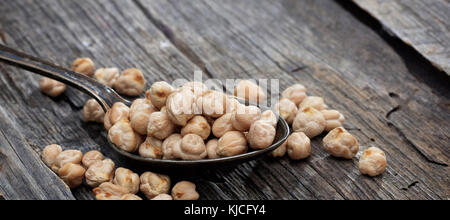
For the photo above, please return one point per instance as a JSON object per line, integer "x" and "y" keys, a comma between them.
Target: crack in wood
{"x": 410, "y": 186}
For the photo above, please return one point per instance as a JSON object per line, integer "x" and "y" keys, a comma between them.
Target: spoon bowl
{"x": 106, "y": 97}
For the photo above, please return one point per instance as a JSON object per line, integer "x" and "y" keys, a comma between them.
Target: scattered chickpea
{"x": 295, "y": 93}
{"x": 223, "y": 125}
{"x": 130, "y": 197}
{"x": 124, "y": 137}
{"x": 180, "y": 106}
{"x": 127, "y": 179}
{"x": 372, "y": 162}
{"x": 298, "y": 146}
{"x": 100, "y": 172}
{"x": 232, "y": 143}
{"x": 158, "y": 93}
{"x": 163, "y": 197}
{"x": 52, "y": 87}
{"x": 244, "y": 117}
{"x": 50, "y": 153}
{"x": 153, "y": 184}
{"x": 280, "y": 151}
{"x": 249, "y": 91}
{"x": 84, "y": 65}
{"x": 340, "y": 143}
{"x": 72, "y": 174}
{"x": 117, "y": 112}
{"x": 107, "y": 76}
{"x": 185, "y": 191}
{"x": 67, "y": 156}
{"x": 261, "y": 135}
{"x": 287, "y": 110}
{"x": 270, "y": 117}
{"x": 151, "y": 148}
{"x": 169, "y": 145}
{"x": 197, "y": 125}
{"x": 91, "y": 157}
{"x": 313, "y": 101}
{"x": 159, "y": 125}
{"x": 192, "y": 147}
{"x": 309, "y": 121}
{"x": 211, "y": 148}
{"x": 212, "y": 104}
{"x": 109, "y": 191}
{"x": 334, "y": 119}
{"x": 131, "y": 82}
{"x": 140, "y": 112}
{"x": 92, "y": 111}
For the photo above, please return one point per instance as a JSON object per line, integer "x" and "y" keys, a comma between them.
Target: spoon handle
{"x": 102, "y": 93}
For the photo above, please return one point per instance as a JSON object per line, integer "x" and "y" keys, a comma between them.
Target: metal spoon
{"x": 107, "y": 97}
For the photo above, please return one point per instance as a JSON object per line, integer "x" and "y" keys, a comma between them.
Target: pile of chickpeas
{"x": 194, "y": 123}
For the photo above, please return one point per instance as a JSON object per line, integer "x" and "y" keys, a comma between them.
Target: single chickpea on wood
{"x": 309, "y": 121}
{"x": 372, "y": 162}
{"x": 84, "y": 66}
{"x": 92, "y": 111}
{"x": 109, "y": 191}
{"x": 313, "y": 101}
{"x": 185, "y": 191}
{"x": 52, "y": 87}
{"x": 127, "y": 179}
{"x": 153, "y": 184}
{"x": 100, "y": 172}
{"x": 340, "y": 143}
{"x": 107, "y": 76}
{"x": 91, "y": 157}
{"x": 72, "y": 174}
{"x": 296, "y": 93}
{"x": 298, "y": 146}
{"x": 50, "y": 153}
{"x": 130, "y": 83}
{"x": 67, "y": 156}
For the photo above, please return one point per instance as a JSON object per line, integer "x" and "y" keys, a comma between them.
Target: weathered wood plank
{"x": 318, "y": 44}
{"x": 312, "y": 42}
{"x": 425, "y": 25}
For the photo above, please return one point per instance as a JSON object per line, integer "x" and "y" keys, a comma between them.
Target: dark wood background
{"x": 391, "y": 92}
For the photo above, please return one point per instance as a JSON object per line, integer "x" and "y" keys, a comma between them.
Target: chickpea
{"x": 185, "y": 191}
{"x": 91, "y": 157}
{"x": 270, "y": 117}
{"x": 211, "y": 148}
{"x": 244, "y": 117}
{"x": 287, "y": 110}
{"x": 130, "y": 83}
{"x": 197, "y": 88}
{"x": 313, "y": 101}
{"x": 151, "y": 148}
{"x": 84, "y": 65}
{"x": 180, "y": 106}
{"x": 197, "y": 125}
{"x": 109, "y": 191}
{"x": 117, "y": 112}
{"x": 169, "y": 145}
{"x": 100, "y": 172}
{"x": 124, "y": 137}
{"x": 140, "y": 112}
{"x": 309, "y": 121}
{"x": 232, "y": 143}
{"x": 50, "y": 153}
{"x": 223, "y": 125}
{"x": 212, "y": 104}
{"x": 72, "y": 174}
{"x": 261, "y": 135}
{"x": 159, "y": 125}
{"x": 298, "y": 146}
{"x": 158, "y": 93}
{"x": 340, "y": 143}
{"x": 107, "y": 76}
{"x": 249, "y": 91}
{"x": 280, "y": 151}
{"x": 163, "y": 197}
{"x": 295, "y": 93}
{"x": 192, "y": 147}
{"x": 372, "y": 162}
{"x": 92, "y": 111}
{"x": 127, "y": 179}
{"x": 52, "y": 87}
{"x": 232, "y": 105}
{"x": 153, "y": 184}
{"x": 130, "y": 197}
{"x": 334, "y": 119}
{"x": 67, "y": 156}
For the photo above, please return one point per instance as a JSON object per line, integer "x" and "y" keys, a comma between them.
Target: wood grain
{"x": 381, "y": 91}
{"x": 425, "y": 25}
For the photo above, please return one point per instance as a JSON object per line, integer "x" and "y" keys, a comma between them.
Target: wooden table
{"x": 391, "y": 94}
